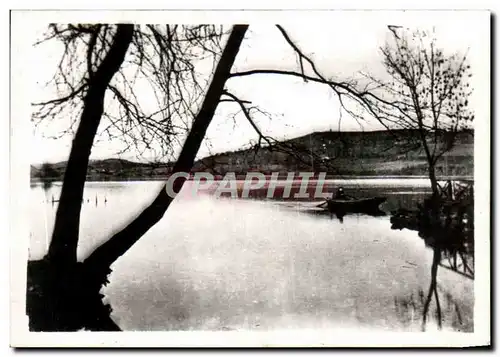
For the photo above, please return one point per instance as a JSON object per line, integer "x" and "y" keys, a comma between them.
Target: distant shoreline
{"x": 352, "y": 156}
{"x": 242, "y": 177}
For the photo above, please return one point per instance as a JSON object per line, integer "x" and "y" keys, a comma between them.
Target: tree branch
{"x": 245, "y": 111}
{"x": 103, "y": 256}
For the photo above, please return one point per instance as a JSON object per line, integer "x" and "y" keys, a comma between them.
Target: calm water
{"x": 223, "y": 264}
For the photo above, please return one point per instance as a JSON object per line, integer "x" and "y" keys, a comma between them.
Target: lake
{"x": 254, "y": 264}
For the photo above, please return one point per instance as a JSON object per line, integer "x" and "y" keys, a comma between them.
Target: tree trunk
{"x": 433, "y": 179}
{"x": 64, "y": 241}
{"x": 101, "y": 258}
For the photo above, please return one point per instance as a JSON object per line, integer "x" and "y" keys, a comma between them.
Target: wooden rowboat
{"x": 362, "y": 205}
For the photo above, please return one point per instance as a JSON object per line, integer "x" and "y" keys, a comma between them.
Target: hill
{"x": 346, "y": 153}
{"x": 337, "y": 153}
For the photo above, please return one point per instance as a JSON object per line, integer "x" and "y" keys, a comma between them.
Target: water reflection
{"x": 445, "y": 222}
{"x": 47, "y": 184}
{"x": 411, "y": 309}
{"x": 222, "y": 264}
{"x": 340, "y": 215}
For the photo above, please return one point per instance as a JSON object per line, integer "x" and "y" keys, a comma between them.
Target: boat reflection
{"x": 341, "y": 214}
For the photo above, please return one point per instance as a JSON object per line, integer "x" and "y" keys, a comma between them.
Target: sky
{"x": 341, "y": 43}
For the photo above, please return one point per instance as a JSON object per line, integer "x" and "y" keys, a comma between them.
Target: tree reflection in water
{"x": 412, "y": 308}
{"x": 446, "y": 224}
{"x": 340, "y": 215}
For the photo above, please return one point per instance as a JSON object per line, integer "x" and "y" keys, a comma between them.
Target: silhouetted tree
{"x": 428, "y": 93}
{"x": 64, "y": 294}
{"x": 98, "y": 74}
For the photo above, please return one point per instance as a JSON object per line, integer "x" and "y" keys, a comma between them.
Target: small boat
{"x": 361, "y": 205}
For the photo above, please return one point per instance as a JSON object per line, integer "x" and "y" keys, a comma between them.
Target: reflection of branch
{"x": 458, "y": 271}
{"x": 433, "y": 289}
{"x": 438, "y": 306}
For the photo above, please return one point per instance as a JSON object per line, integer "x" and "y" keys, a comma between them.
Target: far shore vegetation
{"x": 339, "y": 154}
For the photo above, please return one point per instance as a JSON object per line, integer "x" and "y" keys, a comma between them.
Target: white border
{"x": 19, "y": 186}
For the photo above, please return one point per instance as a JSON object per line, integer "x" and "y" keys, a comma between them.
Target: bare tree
{"x": 427, "y": 93}
{"x": 97, "y": 81}
{"x": 53, "y": 307}
{"x": 159, "y": 58}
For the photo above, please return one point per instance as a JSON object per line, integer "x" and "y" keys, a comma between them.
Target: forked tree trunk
{"x": 67, "y": 298}
{"x": 61, "y": 296}
{"x": 100, "y": 259}
{"x": 62, "y": 248}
